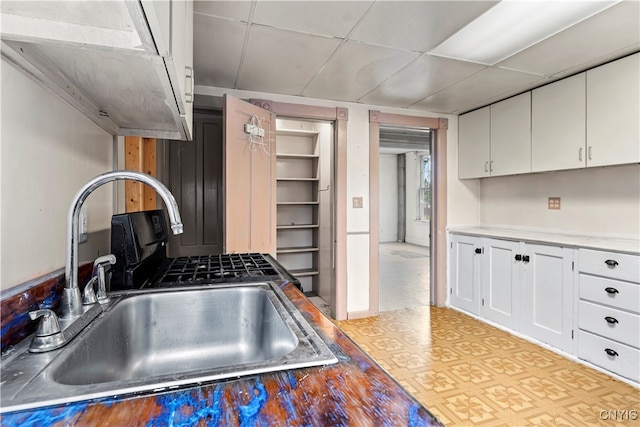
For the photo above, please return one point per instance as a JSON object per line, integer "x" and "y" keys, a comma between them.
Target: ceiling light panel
{"x": 513, "y": 25}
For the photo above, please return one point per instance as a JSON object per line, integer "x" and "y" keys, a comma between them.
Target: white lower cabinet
{"x": 609, "y": 311}
{"x": 525, "y": 287}
{"x": 548, "y": 295}
{"x": 583, "y": 302}
{"x": 501, "y": 283}
{"x": 465, "y": 272}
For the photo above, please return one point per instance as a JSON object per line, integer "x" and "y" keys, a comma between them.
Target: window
{"x": 424, "y": 188}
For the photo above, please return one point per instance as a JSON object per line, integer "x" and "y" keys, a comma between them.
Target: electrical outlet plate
{"x": 357, "y": 202}
{"x": 554, "y": 203}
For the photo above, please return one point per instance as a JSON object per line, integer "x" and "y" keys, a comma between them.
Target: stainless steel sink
{"x": 166, "y": 339}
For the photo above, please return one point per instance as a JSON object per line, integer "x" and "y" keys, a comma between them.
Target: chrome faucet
{"x": 71, "y": 299}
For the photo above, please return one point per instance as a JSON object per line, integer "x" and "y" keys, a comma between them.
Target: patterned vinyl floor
{"x": 468, "y": 373}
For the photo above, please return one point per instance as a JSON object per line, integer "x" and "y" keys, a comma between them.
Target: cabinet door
{"x": 548, "y": 295}
{"x": 511, "y": 136}
{"x": 474, "y": 136}
{"x": 465, "y": 272}
{"x": 501, "y": 283}
{"x": 558, "y": 125}
{"x": 613, "y": 108}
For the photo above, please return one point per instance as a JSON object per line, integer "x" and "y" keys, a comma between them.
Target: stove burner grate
{"x": 218, "y": 269}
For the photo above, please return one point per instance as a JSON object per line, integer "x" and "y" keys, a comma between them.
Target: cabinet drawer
{"x": 625, "y": 361}
{"x": 611, "y": 323}
{"x": 610, "y": 264}
{"x": 611, "y": 292}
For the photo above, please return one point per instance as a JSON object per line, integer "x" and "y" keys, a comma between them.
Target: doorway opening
{"x": 305, "y": 205}
{"x": 405, "y": 206}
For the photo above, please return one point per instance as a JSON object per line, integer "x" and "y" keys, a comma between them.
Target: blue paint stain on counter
{"x": 249, "y": 412}
{"x": 45, "y": 416}
{"x": 202, "y": 409}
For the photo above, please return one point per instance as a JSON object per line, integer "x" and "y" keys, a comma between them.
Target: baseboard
{"x": 360, "y": 314}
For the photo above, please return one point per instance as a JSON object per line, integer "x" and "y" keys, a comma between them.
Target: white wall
{"x": 417, "y": 231}
{"x": 601, "y": 201}
{"x": 388, "y": 198}
{"x": 49, "y": 150}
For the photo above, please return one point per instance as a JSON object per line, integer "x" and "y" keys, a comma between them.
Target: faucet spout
{"x": 71, "y": 299}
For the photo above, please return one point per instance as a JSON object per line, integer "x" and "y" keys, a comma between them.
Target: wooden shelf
{"x": 297, "y": 203}
{"x": 298, "y": 179}
{"x": 304, "y": 273}
{"x": 296, "y": 250}
{"x": 297, "y": 226}
{"x": 297, "y": 156}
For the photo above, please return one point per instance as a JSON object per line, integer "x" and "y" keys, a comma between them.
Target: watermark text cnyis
{"x": 619, "y": 414}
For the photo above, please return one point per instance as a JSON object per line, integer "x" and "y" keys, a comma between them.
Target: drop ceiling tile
{"x": 483, "y": 88}
{"x": 416, "y": 25}
{"x": 238, "y": 10}
{"x": 424, "y": 77}
{"x": 355, "y": 69}
{"x": 217, "y": 49}
{"x": 282, "y": 61}
{"x": 609, "y": 31}
{"x": 334, "y": 18}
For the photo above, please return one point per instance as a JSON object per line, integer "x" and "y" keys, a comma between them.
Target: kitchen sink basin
{"x": 160, "y": 340}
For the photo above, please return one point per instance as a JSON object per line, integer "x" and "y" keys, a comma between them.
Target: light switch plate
{"x": 554, "y": 203}
{"x": 357, "y": 202}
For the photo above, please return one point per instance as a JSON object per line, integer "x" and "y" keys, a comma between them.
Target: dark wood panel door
{"x": 195, "y": 179}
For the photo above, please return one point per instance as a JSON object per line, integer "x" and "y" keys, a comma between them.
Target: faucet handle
{"x": 49, "y": 325}
{"x": 89, "y": 295}
{"x": 105, "y": 259}
{"x": 100, "y": 264}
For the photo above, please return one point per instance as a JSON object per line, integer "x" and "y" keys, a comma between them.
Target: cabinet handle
{"x": 491, "y": 166}
{"x": 589, "y": 153}
{"x": 611, "y": 352}
{"x": 525, "y": 258}
{"x": 486, "y": 166}
{"x": 518, "y": 257}
{"x": 478, "y": 250}
{"x": 611, "y": 291}
{"x": 189, "y": 95}
{"x": 611, "y": 320}
{"x": 580, "y": 154}
{"x": 611, "y": 263}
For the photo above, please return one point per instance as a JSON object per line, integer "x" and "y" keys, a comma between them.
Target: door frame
{"x": 339, "y": 116}
{"x": 438, "y": 260}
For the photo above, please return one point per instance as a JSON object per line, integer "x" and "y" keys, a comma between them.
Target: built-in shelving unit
{"x": 298, "y": 177}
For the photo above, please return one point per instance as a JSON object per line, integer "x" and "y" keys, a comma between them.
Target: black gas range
{"x": 139, "y": 240}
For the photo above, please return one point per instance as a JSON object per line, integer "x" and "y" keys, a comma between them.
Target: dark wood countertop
{"x": 353, "y": 392}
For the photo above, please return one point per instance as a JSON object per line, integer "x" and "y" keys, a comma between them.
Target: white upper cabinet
{"x": 613, "y": 111}
{"x": 558, "y": 125}
{"x": 121, "y": 63}
{"x": 511, "y": 136}
{"x": 496, "y": 140}
{"x": 474, "y": 139}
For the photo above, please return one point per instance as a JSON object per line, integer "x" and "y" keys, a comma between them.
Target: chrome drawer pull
{"x": 611, "y": 263}
{"x": 611, "y": 352}
{"x": 611, "y": 320}
{"x": 611, "y": 291}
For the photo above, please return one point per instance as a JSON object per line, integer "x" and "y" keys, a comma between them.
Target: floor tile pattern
{"x": 468, "y": 373}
